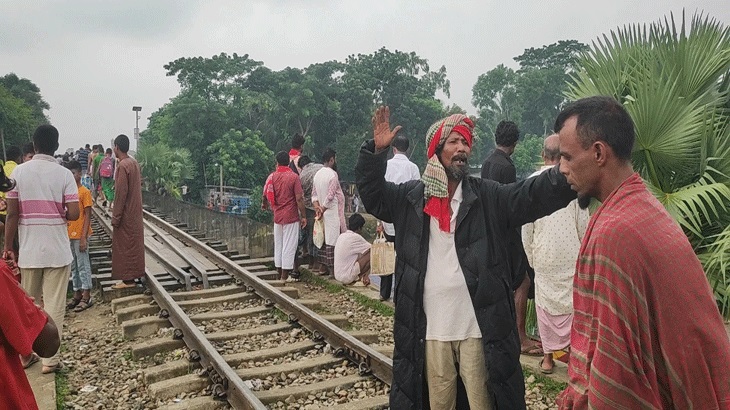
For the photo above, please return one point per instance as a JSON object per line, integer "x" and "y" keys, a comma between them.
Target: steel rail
{"x": 227, "y": 384}
{"x": 179, "y": 274}
{"x": 176, "y": 272}
{"x": 198, "y": 270}
{"x": 369, "y": 359}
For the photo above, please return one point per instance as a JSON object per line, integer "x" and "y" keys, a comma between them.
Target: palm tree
{"x": 164, "y": 169}
{"x": 675, "y": 83}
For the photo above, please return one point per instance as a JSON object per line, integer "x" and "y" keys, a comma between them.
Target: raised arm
{"x": 533, "y": 198}
{"x": 377, "y": 195}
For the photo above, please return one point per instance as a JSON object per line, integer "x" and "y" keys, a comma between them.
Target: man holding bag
{"x": 399, "y": 170}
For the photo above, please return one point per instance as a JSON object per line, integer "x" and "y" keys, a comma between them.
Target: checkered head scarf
{"x": 434, "y": 177}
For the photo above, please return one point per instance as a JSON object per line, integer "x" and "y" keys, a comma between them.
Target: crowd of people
{"x": 46, "y": 219}
{"x": 302, "y": 193}
{"x": 621, "y": 292}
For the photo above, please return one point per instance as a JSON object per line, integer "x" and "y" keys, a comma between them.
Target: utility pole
{"x": 2, "y": 137}
{"x": 221, "y": 167}
{"x": 136, "y": 110}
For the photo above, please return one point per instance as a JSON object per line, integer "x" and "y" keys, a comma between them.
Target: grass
{"x": 550, "y": 387}
{"x": 334, "y": 288}
{"x": 280, "y": 315}
{"x": 62, "y": 389}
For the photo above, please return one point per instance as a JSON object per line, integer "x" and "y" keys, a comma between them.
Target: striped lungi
{"x": 327, "y": 256}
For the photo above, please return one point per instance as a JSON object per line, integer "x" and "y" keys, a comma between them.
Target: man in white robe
{"x": 329, "y": 204}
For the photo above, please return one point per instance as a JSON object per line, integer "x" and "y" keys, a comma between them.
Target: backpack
{"x": 106, "y": 169}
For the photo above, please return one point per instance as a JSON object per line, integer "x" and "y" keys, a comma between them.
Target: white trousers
{"x": 48, "y": 285}
{"x": 286, "y": 240}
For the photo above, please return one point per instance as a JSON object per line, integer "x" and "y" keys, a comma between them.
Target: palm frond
{"x": 674, "y": 80}
{"x": 716, "y": 260}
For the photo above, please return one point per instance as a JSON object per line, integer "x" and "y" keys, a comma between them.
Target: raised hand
{"x": 382, "y": 133}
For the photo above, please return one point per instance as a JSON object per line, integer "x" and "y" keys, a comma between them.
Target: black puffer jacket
{"x": 487, "y": 212}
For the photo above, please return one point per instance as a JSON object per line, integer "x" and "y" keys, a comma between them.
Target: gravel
{"x": 359, "y": 316}
{"x": 101, "y": 374}
{"x": 360, "y": 390}
{"x": 261, "y": 342}
{"x": 289, "y": 358}
{"x": 225, "y": 306}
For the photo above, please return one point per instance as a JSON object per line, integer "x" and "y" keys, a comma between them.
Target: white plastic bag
{"x": 318, "y": 233}
{"x": 382, "y": 257}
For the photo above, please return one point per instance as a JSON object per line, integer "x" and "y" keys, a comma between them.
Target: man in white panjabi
{"x": 329, "y": 204}
{"x": 552, "y": 244}
{"x": 399, "y": 170}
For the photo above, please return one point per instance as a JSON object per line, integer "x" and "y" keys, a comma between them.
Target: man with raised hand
{"x": 455, "y": 313}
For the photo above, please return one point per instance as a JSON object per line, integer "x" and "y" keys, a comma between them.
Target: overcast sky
{"x": 93, "y": 60}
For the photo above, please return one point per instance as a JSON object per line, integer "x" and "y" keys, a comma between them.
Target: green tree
{"x": 212, "y": 78}
{"x": 675, "y": 82}
{"x": 527, "y": 156}
{"x": 564, "y": 55}
{"x": 531, "y": 96}
{"x": 29, "y": 93}
{"x": 254, "y": 211}
{"x": 225, "y": 98}
{"x": 164, "y": 169}
{"x": 404, "y": 82}
{"x": 16, "y": 119}
{"x": 245, "y": 158}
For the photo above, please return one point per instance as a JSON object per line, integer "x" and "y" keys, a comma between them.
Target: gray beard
{"x": 456, "y": 172}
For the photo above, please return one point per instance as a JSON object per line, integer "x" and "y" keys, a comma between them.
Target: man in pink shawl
{"x": 647, "y": 333}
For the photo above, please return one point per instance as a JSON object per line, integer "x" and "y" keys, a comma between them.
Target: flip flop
{"x": 532, "y": 351}
{"x": 34, "y": 358}
{"x": 52, "y": 369}
{"x": 122, "y": 285}
{"x": 544, "y": 370}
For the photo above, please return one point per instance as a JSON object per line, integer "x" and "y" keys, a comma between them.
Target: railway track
{"x": 218, "y": 330}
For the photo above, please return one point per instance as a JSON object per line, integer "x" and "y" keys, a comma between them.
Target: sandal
{"x": 52, "y": 369}
{"x": 533, "y": 350}
{"x": 544, "y": 370}
{"x": 73, "y": 303}
{"x": 34, "y": 358}
{"x": 83, "y": 305}
{"x": 122, "y": 285}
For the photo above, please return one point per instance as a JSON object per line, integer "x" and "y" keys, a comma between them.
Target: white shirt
{"x": 399, "y": 170}
{"x": 552, "y": 244}
{"x": 43, "y": 188}
{"x": 350, "y": 246}
{"x": 449, "y": 311}
{"x": 327, "y": 191}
